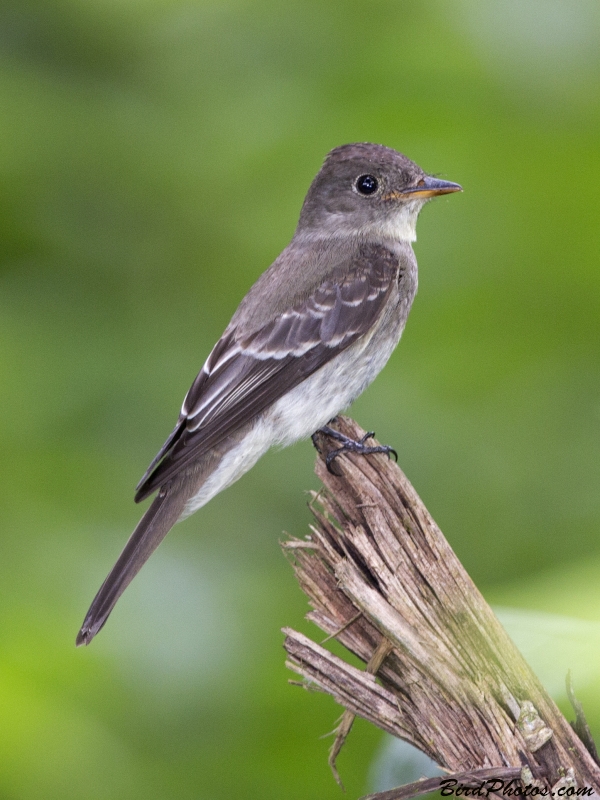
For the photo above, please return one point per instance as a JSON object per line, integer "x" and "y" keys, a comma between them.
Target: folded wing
{"x": 245, "y": 375}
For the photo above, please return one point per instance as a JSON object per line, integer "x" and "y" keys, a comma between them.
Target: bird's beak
{"x": 432, "y": 187}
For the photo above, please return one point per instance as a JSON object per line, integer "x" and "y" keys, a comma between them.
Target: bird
{"x": 309, "y": 336}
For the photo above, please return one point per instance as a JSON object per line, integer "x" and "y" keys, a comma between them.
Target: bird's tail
{"x": 149, "y": 533}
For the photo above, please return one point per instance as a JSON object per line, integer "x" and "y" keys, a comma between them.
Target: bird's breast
{"x": 331, "y": 389}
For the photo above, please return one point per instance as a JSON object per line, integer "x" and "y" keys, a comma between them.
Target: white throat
{"x": 401, "y": 226}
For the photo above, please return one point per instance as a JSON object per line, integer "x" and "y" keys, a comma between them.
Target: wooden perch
{"x": 441, "y": 672}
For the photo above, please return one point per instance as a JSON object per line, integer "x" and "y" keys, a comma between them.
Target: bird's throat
{"x": 401, "y": 225}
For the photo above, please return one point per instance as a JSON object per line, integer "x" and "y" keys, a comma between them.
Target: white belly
{"x": 302, "y": 411}
{"x": 330, "y": 390}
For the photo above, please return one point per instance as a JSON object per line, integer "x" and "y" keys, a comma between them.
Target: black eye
{"x": 367, "y": 184}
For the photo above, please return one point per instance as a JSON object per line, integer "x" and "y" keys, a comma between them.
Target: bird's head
{"x": 370, "y": 190}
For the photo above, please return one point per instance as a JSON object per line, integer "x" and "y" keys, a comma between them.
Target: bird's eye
{"x": 367, "y": 184}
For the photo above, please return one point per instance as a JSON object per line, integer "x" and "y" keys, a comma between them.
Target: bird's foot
{"x": 350, "y": 446}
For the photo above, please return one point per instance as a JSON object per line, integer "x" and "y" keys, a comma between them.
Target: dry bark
{"x": 384, "y": 582}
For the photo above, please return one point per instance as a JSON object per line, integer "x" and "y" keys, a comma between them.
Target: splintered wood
{"x": 381, "y": 578}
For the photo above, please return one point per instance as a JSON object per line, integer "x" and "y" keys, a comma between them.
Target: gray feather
{"x": 149, "y": 533}
{"x": 244, "y": 376}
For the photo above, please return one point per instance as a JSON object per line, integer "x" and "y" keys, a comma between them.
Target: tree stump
{"x": 441, "y": 674}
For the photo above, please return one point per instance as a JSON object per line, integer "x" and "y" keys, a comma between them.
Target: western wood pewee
{"x": 308, "y": 338}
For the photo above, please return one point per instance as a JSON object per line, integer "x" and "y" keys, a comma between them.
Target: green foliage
{"x": 153, "y": 159}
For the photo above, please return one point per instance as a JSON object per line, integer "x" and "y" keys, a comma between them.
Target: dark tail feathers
{"x": 149, "y": 533}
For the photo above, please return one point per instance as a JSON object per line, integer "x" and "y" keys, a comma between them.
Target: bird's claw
{"x": 351, "y": 446}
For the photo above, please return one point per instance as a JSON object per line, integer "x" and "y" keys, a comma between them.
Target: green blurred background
{"x": 154, "y": 155}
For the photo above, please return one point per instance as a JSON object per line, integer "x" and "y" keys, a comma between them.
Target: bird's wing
{"x": 244, "y": 376}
